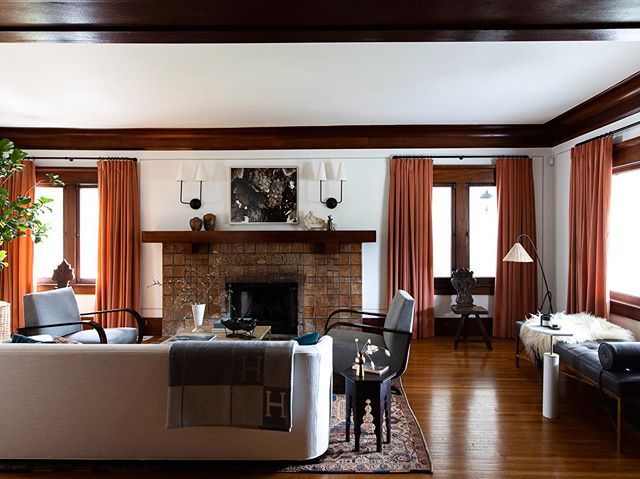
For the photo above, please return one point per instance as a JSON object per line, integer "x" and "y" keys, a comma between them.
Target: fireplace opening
{"x": 270, "y": 304}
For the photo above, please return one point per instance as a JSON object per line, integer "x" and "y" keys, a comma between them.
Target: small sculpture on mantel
{"x": 312, "y": 222}
{"x": 463, "y": 282}
{"x": 330, "y": 225}
{"x": 63, "y": 274}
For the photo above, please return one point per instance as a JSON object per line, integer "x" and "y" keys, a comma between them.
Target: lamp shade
{"x": 181, "y": 176}
{"x": 200, "y": 173}
{"x": 342, "y": 172}
{"x": 322, "y": 172}
{"x": 517, "y": 254}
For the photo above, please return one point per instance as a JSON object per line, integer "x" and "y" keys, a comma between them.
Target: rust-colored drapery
{"x": 118, "y": 282}
{"x": 410, "y": 255}
{"x": 516, "y": 292}
{"x": 589, "y": 200}
{"x": 17, "y": 279}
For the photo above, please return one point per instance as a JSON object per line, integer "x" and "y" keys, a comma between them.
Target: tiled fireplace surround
{"x": 326, "y": 281}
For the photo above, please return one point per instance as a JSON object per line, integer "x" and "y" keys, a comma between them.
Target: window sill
{"x": 78, "y": 288}
{"x": 625, "y": 309}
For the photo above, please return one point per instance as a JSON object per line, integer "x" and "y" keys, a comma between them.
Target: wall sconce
{"x": 331, "y": 203}
{"x": 200, "y": 177}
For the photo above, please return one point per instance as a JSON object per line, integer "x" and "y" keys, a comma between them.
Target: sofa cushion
{"x": 620, "y": 356}
{"x": 114, "y": 336}
{"x": 52, "y": 307}
{"x": 583, "y": 357}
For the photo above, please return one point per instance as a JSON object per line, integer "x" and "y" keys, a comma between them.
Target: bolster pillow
{"x": 619, "y": 356}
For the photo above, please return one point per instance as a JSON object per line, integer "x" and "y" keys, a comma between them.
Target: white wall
{"x": 364, "y": 206}
{"x": 562, "y": 154}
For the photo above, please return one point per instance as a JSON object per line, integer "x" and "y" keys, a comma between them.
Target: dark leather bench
{"x": 582, "y": 360}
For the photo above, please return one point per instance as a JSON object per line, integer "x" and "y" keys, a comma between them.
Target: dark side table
{"x": 465, "y": 311}
{"x": 374, "y": 389}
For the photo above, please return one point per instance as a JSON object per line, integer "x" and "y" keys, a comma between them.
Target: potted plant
{"x": 192, "y": 290}
{"x": 19, "y": 216}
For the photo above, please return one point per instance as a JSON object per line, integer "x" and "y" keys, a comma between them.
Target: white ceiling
{"x": 128, "y": 86}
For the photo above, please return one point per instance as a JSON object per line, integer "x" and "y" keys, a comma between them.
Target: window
{"x": 623, "y": 255}
{"x": 465, "y": 225}
{"x": 73, "y": 227}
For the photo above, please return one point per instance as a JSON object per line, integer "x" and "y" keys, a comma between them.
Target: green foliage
{"x": 21, "y": 214}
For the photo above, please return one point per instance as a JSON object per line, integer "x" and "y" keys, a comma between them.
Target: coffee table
{"x": 260, "y": 333}
{"x": 550, "y": 371}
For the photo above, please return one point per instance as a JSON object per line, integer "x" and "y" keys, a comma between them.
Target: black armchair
{"x": 394, "y": 335}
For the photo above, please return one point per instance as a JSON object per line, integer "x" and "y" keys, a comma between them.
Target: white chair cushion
{"x": 114, "y": 336}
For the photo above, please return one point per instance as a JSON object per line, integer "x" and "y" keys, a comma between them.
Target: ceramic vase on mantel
{"x": 198, "y": 316}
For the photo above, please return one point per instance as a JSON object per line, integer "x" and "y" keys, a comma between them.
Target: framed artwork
{"x": 263, "y": 195}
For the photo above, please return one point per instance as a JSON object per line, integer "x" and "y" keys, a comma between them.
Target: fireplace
{"x": 271, "y": 304}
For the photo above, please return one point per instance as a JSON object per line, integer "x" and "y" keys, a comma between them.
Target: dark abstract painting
{"x": 264, "y": 195}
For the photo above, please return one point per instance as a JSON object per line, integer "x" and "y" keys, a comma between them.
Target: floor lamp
{"x": 517, "y": 254}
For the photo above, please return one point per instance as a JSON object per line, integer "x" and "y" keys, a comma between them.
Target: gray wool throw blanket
{"x": 231, "y": 383}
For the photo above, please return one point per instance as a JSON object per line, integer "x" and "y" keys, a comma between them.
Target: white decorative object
{"x": 312, "y": 222}
{"x": 551, "y": 367}
{"x": 322, "y": 172}
{"x": 5, "y": 321}
{"x": 582, "y": 326}
{"x": 342, "y": 172}
{"x": 198, "y": 316}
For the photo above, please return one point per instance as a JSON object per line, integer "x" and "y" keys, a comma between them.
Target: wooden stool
{"x": 373, "y": 388}
{"x": 464, "y": 312}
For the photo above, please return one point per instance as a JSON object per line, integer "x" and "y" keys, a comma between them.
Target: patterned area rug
{"x": 407, "y": 452}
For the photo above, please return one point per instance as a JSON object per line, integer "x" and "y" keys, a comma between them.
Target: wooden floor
{"x": 482, "y": 419}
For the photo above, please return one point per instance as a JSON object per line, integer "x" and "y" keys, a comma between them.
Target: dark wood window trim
{"x": 626, "y": 157}
{"x": 74, "y": 179}
{"x": 459, "y": 178}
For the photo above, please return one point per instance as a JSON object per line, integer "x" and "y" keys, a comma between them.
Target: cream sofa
{"x": 109, "y": 402}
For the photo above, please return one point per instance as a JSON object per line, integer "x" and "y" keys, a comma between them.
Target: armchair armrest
{"x": 353, "y": 311}
{"x": 132, "y": 312}
{"x": 94, "y": 325}
{"x": 367, "y": 327}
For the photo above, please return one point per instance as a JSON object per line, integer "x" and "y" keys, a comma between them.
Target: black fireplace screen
{"x": 270, "y": 304}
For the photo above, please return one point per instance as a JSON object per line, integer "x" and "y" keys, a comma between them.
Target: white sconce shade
{"x": 342, "y": 172}
{"x": 200, "y": 173}
{"x": 517, "y": 254}
{"x": 181, "y": 176}
{"x": 322, "y": 172}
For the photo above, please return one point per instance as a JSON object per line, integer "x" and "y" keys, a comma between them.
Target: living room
{"x": 425, "y": 224}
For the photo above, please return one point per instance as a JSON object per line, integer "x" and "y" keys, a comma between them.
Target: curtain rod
{"x": 461, "y": 157}
{"x": 72, "y": 158}
{"x": 612, "y": 132}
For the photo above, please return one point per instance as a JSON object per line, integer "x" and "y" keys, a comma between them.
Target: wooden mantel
{"x": 324, "y": 241}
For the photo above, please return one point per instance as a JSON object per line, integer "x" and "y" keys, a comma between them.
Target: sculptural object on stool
{"x": 463, "y": 282}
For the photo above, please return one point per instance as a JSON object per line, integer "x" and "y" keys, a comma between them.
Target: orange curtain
{"x": 589, "y": 199}
{"x": 516, "y": 293}
{"x": 410, "y": 255}
{"x": 17, "y": 279}
{"x": 118, "y": 282}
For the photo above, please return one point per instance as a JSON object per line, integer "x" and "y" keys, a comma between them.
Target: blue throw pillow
{"x": 19, "y": 338}
{"x": 308, "y": 339}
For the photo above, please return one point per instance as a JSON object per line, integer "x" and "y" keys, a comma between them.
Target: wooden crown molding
{"x": 306, "y": 137}
{"x": 242, "y": 21}
{"x": 613, "y": 104}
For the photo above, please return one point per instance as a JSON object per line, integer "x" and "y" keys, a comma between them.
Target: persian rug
{"x": 407, "y": 452}
{"x": 583, "y": 326}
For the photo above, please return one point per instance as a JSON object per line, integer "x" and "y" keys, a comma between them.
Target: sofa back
{"x": 109, "y": 402}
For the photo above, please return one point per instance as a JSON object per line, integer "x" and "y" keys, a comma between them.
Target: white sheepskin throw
{"x": 584, "y": 327}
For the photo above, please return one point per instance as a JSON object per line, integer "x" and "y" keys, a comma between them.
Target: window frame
{"x": 74, "y": 179}
{"x": 626, "y": 157}
{"x": 460, "y": 178}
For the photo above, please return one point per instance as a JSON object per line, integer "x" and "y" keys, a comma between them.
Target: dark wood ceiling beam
{"x": 308, "y": 137}
{"x": 241, "y": 21}
{"x": 611, "y": 105}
